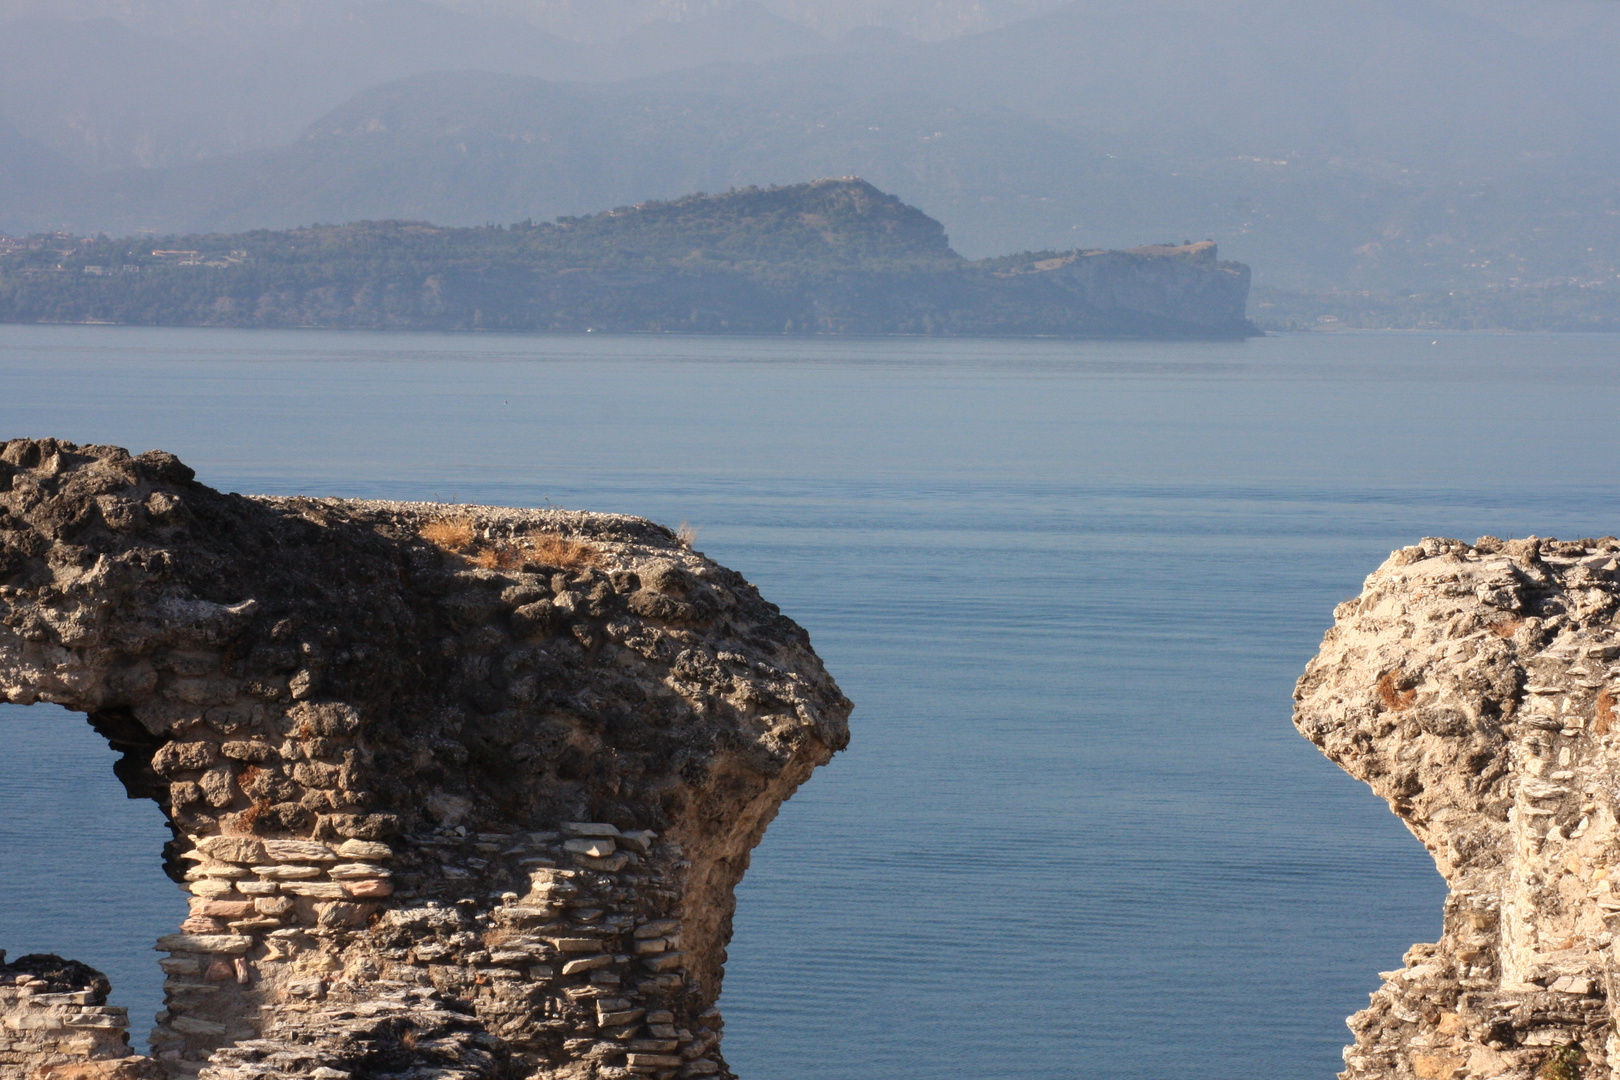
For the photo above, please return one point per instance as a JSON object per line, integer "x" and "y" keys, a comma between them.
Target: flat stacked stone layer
{"x": 54, "y": 1012}
{"x": 456, "y": 791}
{"x": 1474, "y": 686}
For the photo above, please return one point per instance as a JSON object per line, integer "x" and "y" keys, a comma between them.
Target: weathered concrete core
{"x": 456, "y": 791}
{"x": 1475, "y": 687}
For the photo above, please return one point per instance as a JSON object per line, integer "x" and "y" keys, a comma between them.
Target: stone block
{"x": 205, "y": 943}
{"x": 338, "y": 914}
{"x": 346, "y": 871}
{"x": 287, "y": 872}
{"x": 369, "y": 887}
{"x": 224, "y": 909}
{"x": 232, "y": 849}
{"x": 213, "y": 888}
{"x": 654, "y": 1061}
{"x": 297, "y": 851}
{"x": 654, "y": 1046}
{"x": 179, "y": 757}
{"x": 316, "y": 890}
{"x": 191, "y": 1025}
{"x": 665, "y": 962}
{"x": 589, "y": 963}
{"x": 364, "y": 849}
{"x": 658, "y": 928}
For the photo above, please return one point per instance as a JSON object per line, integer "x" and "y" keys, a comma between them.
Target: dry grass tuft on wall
{"x": 555, "y": 550}
{"x": 460, "y": 536}
{"x": 452, "y": 534}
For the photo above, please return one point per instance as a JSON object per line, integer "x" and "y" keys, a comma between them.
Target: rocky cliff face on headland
{"x": 1474, "y": 687}
{"x": 456, "y": 791}
{"x": 834, "y": 256}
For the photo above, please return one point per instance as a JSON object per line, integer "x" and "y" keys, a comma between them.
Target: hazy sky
{"x": 580, "y": 19}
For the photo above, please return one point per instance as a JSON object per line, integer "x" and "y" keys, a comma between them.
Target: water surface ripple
{"x": 1069, "y": 587}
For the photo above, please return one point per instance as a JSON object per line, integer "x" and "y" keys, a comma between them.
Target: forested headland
{"x": 829, "y": 257}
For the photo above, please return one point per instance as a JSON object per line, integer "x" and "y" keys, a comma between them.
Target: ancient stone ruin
{"x": 456, "y": 791}
{"x": 1474, "y": 687}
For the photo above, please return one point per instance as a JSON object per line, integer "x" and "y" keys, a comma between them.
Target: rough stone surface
{"x": 1474, "y": 687}
{"x": 54, "y": 1015}
{"x": 455, "y": 791}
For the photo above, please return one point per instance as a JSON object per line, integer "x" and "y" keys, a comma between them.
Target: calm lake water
{"x": 1069, "y": 587}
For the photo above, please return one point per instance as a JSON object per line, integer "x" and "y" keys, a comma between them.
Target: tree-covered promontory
{"x": 832, "y": 256}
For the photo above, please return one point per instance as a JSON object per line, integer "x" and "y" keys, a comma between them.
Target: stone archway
{"x": 80, "y": 875}
{"x": 460, "y": 791}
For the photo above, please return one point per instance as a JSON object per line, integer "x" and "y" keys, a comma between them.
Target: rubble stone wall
{"x": 53, "y": 1012}
{"x": 455, "y": 791}
{"x": 1474, "y": 687}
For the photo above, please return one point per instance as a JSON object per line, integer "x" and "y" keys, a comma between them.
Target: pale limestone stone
{"x": 287, "y": 872}
{"x": 369, "y": 888}
{"x": 588, "y": 963}
{"x": 205, "y": 943}
{"x": 364, "y": 849}
{"x": 1458, "y": 686}
{"x": 298, "y": 851}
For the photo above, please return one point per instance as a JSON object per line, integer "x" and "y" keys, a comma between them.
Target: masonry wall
{"x": 54, "y": 1011}
{"x": 1474, "y": 687}
{"x": 456, "y": 791}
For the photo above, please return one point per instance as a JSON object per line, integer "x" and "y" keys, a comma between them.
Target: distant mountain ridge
{"x": 1392, "y": 145}
{"x": 834, "y": 256}
{"x": 158, "y": 92}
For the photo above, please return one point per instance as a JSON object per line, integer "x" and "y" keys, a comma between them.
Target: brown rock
{"x": 233, "y": 849}
{"x": 373, "y": 690}
{"x": 337, "y": 913}
{"x": 369, "y": 887}
{"x": 178, "y": 757}
{"x": 129, "y": 1068}
{"x": 224, "y": 909}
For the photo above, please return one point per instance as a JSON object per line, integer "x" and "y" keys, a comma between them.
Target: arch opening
{"x": 83, "y": 879}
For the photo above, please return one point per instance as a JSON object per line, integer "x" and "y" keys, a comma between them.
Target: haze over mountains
{"x": 1421, "y": 144}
